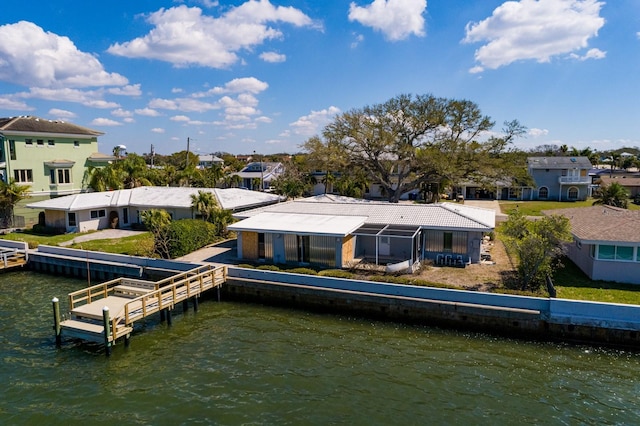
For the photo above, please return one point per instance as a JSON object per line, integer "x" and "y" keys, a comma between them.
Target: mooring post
{"x": 218, "y": 288}
{"x": 56, "y": 320}
{"x": 127, "y": 340}
{"x": 195, "y": 304}
{"x": 168, "y": 316}
{"x": 185, "y": 305}
{"x": 163, "y": 315}
{"x": 107, "y": 329}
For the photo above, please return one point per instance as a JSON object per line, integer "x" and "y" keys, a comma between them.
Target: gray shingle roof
{"x": 558, "y": 162}
{"x": 602, "y": 223}
{"x": 31, "y": 124}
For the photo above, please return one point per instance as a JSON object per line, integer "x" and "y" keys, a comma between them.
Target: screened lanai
{"x": 382, "y": 243}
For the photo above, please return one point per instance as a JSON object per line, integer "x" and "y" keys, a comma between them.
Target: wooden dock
{"x": 105, "y": 312}
{"x": 12, "y": 258}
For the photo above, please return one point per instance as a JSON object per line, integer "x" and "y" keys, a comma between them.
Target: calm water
{"x": 245, "y": 364}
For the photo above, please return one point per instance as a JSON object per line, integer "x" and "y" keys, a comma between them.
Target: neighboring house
{"x": 50, "y": 156}
{"x": 208, "y": 160}
{"x": 263, "y": 172}
{"x": 560, "y": 178}
{"x": 336, "y": 232}
{"x": 606, "y": 242}
{"x": 122, "y": 208}
{"x": 631, "y": 184}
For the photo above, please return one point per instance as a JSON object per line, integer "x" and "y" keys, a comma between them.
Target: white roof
{"x": 301, "y": 224}
{"x": 451, "y": 216}
{"x": 155, "y": 197}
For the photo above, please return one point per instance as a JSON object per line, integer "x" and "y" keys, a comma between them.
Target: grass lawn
{"x": 135, "y": 245}
{"x": 535, "y": 208}
{"x": 572, "y": 283}
{"x": 35, "y": 240}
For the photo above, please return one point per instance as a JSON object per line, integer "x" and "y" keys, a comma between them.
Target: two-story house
{"x": 260, "y": 174}
{"x": 50, "y": 156}
{"x": 560, "y": 178}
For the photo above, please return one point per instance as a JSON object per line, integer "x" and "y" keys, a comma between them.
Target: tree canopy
{"x": 409, "y": 141}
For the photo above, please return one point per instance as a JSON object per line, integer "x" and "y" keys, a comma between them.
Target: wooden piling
{"x": 168, "y": 316}
{"x": 56, "y": 321}
{"x": 107, "y": 329}
{"x": 195, "y": 304}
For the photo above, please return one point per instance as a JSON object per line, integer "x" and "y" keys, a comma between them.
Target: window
{"x": 513, "y": 192}
{"x": 72, "y": 219}
{"x": 543, "y": 192}
{"x": 28, "y": 142}
{"x": 125, "y": 215}
{"x": 98, "y": 213}
{"x": 64, "y": 176}
{"x": 60, "y": 176}
{"x": 572, "y": 194}
{"x": 40, "y": 143}
{"x": 51, "y": 143}
{"x": 23, "y": 175}
{"x": 12, "y": 149}
{"x": 76, "y": 144}
{"x": 447, "y": 242}
{"x": 611, "y": 252}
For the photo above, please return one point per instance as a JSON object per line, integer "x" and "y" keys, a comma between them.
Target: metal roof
{"x": 300, "y": 224}
{"x": 434, "y": 216}
{"x": 155, "y": 197}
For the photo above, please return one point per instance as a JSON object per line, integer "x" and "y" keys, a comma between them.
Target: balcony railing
{"x": 574, "y": 179}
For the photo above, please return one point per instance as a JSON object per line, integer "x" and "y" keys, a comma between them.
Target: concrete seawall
{"x": 528, "y": 317}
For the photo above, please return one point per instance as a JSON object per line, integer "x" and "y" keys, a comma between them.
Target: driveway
{"x": 105, "y": 234}
{"x": 223, "y": 253}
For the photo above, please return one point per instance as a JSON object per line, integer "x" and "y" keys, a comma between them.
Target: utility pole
{"x": 153, "y": 153}
{"x": 186, "y": 163}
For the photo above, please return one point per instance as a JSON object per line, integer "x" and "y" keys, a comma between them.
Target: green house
{"x": 50, "y": 156}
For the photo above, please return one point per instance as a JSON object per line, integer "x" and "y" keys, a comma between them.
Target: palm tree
{"x": 611, "y": 195}
{"x": 204, "y": 203}
{"x": 102, "y": 178}
{"x": 10, "y": 194}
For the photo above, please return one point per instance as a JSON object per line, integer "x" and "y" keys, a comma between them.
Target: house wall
{"x": 580, "y": 254}
{"x": 33, "y": 157}
{"x": 607, "y": 270}
{"x": 550, "y": 178}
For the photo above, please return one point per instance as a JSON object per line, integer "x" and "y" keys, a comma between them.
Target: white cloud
{"x": 534, "y": 29}
{"x": 182, "y": 104}
{"x": 179, "y": 118}
{"x": 311, "y": 124}
{"x": 157, "y": 130}
{"x": 148, "y": 112}
{"x": 15, "y": 105}
{"x": 177, "y": 90}
{"x": 90, "y": 98}
{"x": 273, "y": 57}
{"x": 591, "y": 54}
{"x": 184, "y": 36}
{"x": 105, "y": 122}
{"x": 29, "y": 56}
{"x": 128, "y": 120}
{"x": 396, "y": 19}
{"x": 358, "y": 38}
{"x": 237, "y": 85}
{"x": 537, "y": 132}
{"x": 121, "y": 113}
{"x": 97, "y": 103}
{"x": 128, "y": 90}
{"x": 62, "y": 113}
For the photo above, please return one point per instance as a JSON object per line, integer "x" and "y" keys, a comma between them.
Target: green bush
{"x": 336, "y": 273}
{"x": 39, "y": 229}
{"x": 246, "y": 266}
{"x": 268, "y": 268}
{"x": 305, "y": 271}
{"x": 187, "y": 235}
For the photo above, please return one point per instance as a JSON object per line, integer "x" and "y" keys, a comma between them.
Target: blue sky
{"x": 240, "y": 76}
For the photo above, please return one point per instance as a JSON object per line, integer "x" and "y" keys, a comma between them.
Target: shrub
{"x": 187, "y": 235}
{"x": 268, "y": 268}
{"x": 39, "y": 229}
{"x": 336, "y": 273}
{"x": 246, "y": 266}
{"x": 305, "y": 271}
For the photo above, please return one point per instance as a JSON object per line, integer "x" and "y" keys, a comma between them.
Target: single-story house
{"x": 338, "y": 232}
{"x": 631, "y": 183}
{"x": 99, "y": 210}
{"x": 606, "y": 242}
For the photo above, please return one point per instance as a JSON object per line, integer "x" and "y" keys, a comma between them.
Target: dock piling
{"x": 56, "y": 321}
{"x": 107, "y": 329}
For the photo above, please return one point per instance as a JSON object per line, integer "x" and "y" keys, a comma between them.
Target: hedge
{"x": 188, "y": 235}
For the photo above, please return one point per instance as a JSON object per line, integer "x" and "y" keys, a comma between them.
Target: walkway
{"x": 104, "y": 234}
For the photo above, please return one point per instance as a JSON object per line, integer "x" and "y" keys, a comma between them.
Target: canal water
{"x": 234, "y": 363}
